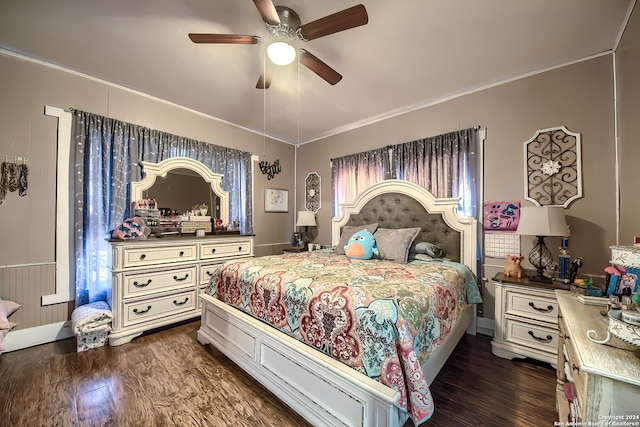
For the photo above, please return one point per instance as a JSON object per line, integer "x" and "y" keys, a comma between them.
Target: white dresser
{"x": 157, "y": 282}
{"x": 604, "y": 381}
{"x": 526, "y": 320}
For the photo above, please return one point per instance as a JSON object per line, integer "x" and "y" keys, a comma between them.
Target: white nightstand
{"x": 526, "y": 319}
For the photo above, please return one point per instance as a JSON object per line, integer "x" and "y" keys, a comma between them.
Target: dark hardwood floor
{"x": 169, "y": 379}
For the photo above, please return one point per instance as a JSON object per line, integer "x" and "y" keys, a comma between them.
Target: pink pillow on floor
{"x": 7, "y": 308}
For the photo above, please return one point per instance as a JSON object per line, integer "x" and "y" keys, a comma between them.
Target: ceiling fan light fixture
{"x": 281, "y": 53}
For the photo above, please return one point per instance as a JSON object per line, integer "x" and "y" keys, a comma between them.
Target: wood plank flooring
{"x": 168, "y": 379}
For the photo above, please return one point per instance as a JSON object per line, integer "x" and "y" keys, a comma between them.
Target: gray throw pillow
{"x": 394, "y": 244}
{"x": 427, "y": 248}
{"x": 349, "y": 230}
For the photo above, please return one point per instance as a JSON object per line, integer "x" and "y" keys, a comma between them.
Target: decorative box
{"x": 91, "y": 324}
{"x": 581, "y": 289}
{"x": 192, "y": 226}
{"x": 88, "y": 340}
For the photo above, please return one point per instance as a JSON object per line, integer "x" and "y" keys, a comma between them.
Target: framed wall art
{"x": 276, "y": 200}
{"x": 552, "y": 167}
{"x": 312, "y": 192}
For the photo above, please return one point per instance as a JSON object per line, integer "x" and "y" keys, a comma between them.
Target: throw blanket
{"x": 381, "y": 318}
{"x": 92, "y": 317}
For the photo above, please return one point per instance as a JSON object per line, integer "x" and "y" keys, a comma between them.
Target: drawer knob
{"x": 240, "y": 248}
{"x": 542, "y": 310}
{"x": 143, "y": 256}
{"x": 176, "y": 302}
{"x": 213, "y": 250}
{"x": 141, "y": 285}
{"x": 181, "y": 279}
{"x": 209, "y": 273}
{"x": 545, "y": 340}
{"x": 136, "y": 311}
{"x": 181, "y": 253}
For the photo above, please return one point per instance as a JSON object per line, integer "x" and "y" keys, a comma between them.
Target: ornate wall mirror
{"x": 179, "y": 183}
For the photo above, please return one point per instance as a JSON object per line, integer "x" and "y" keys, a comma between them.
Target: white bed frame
{"x": 320, "y": 389}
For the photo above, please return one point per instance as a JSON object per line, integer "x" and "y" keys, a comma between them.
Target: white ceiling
{"x": 411, "y": 53}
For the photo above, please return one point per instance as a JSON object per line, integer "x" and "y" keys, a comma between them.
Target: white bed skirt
{"x": 320, "y": 389}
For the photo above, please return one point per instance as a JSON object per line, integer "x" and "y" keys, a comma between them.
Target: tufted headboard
{"x": 401, "y": 204}
{"x": 396, "y": 210}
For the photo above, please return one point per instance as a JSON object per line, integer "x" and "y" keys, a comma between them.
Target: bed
{"x": 386, "y": 347}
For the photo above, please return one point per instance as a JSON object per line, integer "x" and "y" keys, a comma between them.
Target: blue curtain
{"x": 107, "y": 159}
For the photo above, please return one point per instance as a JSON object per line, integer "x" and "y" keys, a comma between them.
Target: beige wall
{"x": 27, "y": 224}
{"x": 628, "y": 101}
{"x": 578, "y": 96}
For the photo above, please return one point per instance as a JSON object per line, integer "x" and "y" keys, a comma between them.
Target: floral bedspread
{"x": 379, "y": 317}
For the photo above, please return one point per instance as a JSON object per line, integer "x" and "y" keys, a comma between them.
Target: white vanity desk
{"x": 157, "y": 281}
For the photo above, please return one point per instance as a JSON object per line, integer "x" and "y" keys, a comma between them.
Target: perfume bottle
{"x": 564, "y": 261}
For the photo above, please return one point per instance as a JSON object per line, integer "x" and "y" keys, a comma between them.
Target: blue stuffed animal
{"x": 362, "y": 245}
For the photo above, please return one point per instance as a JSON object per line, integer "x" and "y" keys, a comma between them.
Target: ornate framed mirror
{"x": 179, "y": 183}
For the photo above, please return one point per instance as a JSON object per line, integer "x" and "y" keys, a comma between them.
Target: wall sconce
{"x": 542, "y": 221}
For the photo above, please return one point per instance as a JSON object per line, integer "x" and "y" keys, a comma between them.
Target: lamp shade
{"x": 306, "y": 219}
{"x": 281, "y": 53}
{"x": 542, "y": 221}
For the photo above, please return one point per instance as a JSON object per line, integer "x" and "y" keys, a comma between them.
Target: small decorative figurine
{"x": 513, "y": 267}
{"x": 576, "y": 268}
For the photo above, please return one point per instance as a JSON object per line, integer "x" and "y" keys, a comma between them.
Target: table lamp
{"x": 306, "y": 219}
{"x": 542, "y": 221}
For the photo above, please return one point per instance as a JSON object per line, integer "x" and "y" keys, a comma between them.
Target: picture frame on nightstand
{"x": 296, "y": 240}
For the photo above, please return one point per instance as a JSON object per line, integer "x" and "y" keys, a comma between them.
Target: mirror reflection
{"x": 179, "y": 190}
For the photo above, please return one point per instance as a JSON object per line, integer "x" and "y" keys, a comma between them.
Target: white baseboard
{"x": 486, "y": 326}
{"x": 23, "y": 338}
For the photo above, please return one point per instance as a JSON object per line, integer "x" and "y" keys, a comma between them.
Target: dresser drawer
{"x": 225, "y": 250}
{"x": 155, "y": 308}
{"x": 136, "y": 257}
{"x": 155, "y": 281}
{"x": 208, "y": 270}
{"x": 579, "y": 377}
{"x": 538, "y": 337}
{"x": 537, "y": 307}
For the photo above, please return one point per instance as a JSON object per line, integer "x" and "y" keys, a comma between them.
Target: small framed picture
{"x": 296, "y": 240}
{"x": 276, "y": 200}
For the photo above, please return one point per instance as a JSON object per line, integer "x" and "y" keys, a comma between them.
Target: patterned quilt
{"x": 381, "y": 318}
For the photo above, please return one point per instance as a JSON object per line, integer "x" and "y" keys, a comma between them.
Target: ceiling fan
{"x": 283, "y": 25}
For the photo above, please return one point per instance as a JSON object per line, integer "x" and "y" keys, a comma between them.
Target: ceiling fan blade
{"x": 349, "y": 18}
{"x": 320, "y": 68}
{"x": 264, "y": 81}
{"x": 267, "y": 11}
{"x": 224, "y": 38}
